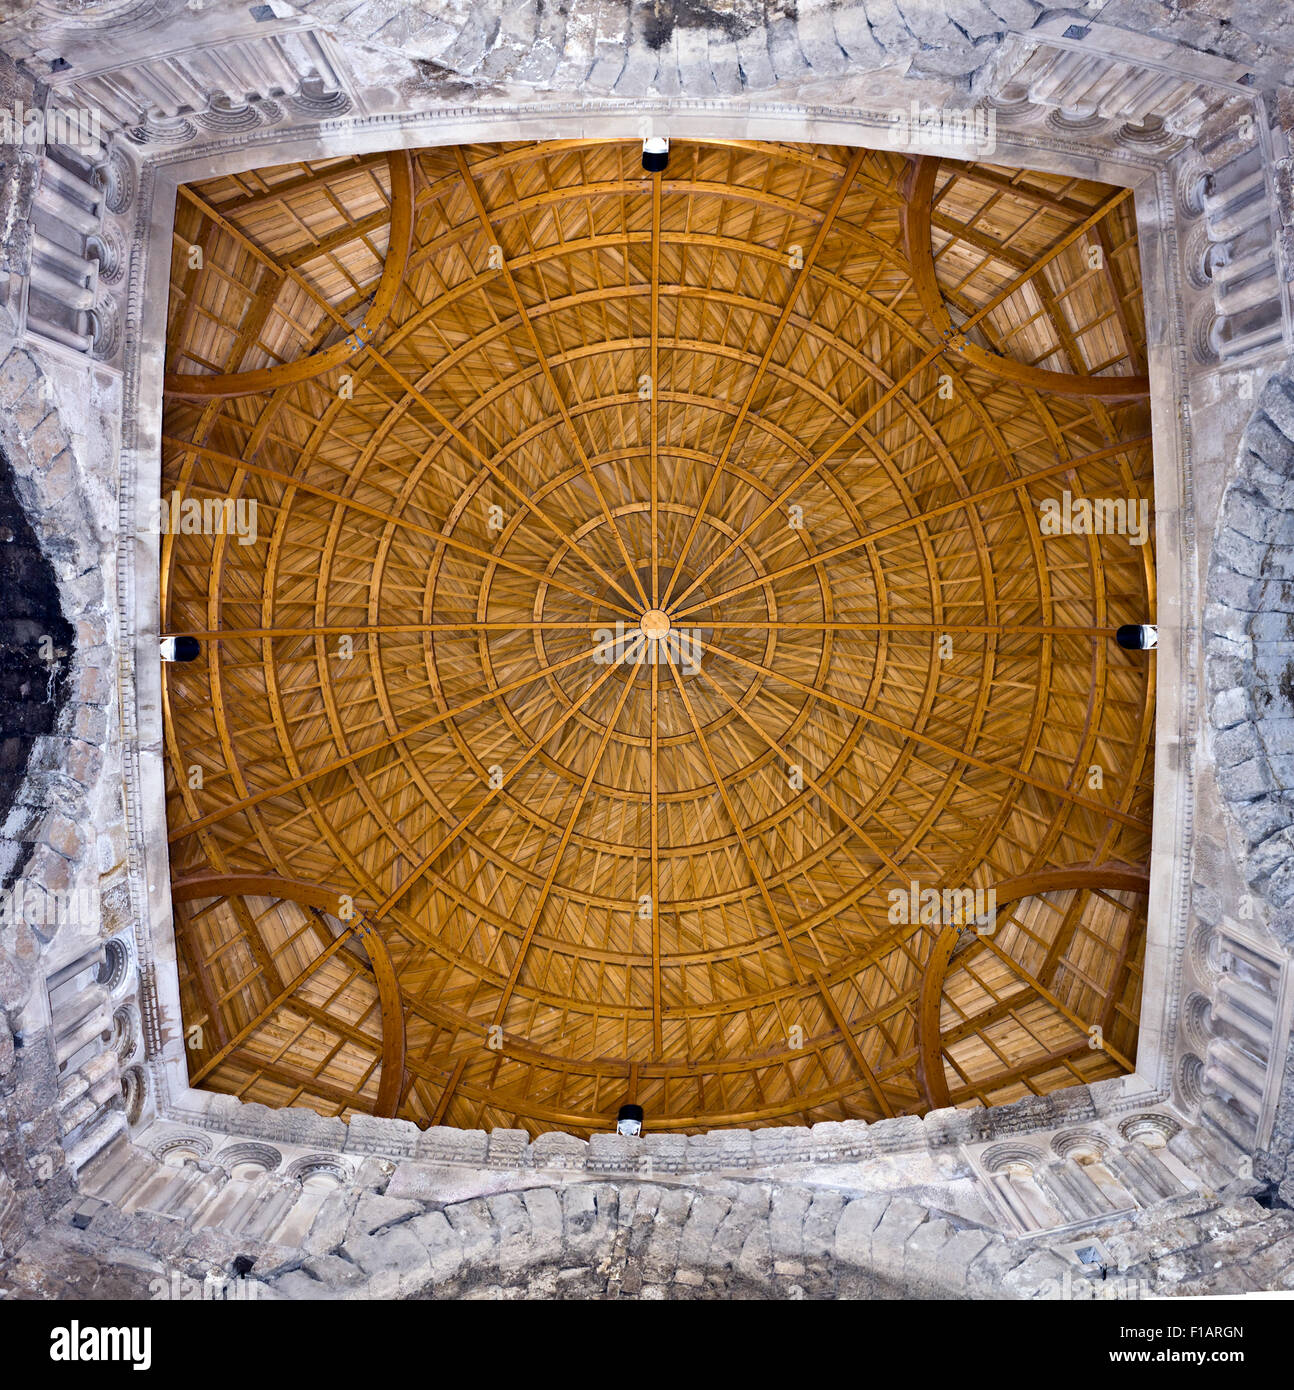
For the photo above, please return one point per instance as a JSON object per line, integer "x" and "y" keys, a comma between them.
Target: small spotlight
{"x": 630, "y": 1121}
{"x": 181, "y": 648}
{"x": 655, "y": 153}
{"x": 1137, "y": 638}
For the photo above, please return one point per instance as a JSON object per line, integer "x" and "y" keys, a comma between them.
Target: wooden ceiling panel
{"x": 442, "y": 858}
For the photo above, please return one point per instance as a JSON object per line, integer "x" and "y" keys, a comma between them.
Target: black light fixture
{"x": 630, "y": 1120}
{"x": 181, "y": 648}
{"x": 1137, "y": 638}
{"x": 655, "y": 153}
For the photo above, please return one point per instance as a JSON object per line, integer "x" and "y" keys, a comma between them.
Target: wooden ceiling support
{"x": 930, "y": 1039}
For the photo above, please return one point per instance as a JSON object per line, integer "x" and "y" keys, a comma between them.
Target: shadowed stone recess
{"x": 35, "y": 648}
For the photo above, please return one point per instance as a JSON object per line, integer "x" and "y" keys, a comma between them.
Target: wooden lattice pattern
{"x": 787, "y": 415}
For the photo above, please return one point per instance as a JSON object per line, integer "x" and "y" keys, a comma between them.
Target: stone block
{"x": 994, "y": 1262}
{"x": 638, "y": 73}
{"x": 442, "y": 1242}
{"x": 893, "y": 1231}
{"x": 854, "y": 1231}
{"x": 558, "y": 1150}
{"x": 1247, "y": 514}
{"x": 580, "y": 1208}
{"x": 703, "y": 1219}
{"x": 1231, "y": 707}
{"x": 1239, "y": 553}
{"x": 1236, "y": 745}
{"x": 333, "y": 1272}
{"x": 725, "y": 67}
{"x": 396, "y": 1262}
{"x": 837, "y": 1140}
{"x": 507, "y": 1148}
{"x": 784, "y": 50}
{"x": 667, "y": 1153}
{"x": 854, "y": 34}
{"x": 903, "y": 1134}
{"x": 545, "y": 1211}
{"x": 756, "y": 66}
{"x": 18, "y": 372}
{"x": 1223, "y": 621}
{"x": 1042, "y": 1275}
{"x": 787, "y": 1211}
{"x": 441, "y": 1144}
{"x": 817, "y": 38}
{"x": 475, "y": 1226}
{"x": 696, "y": 77}
{"x": 614, "y": 1153}
{"x": 1278, "y": 407}
{"x": 509, "y": 1215}
{"x": 375, "y": 1212}
{"x": 1232, "y": 590}
{"x": 756, "y": 1258}
{"x": 661, "y": 1254}
{"x": 889, "y": 28}
{"x": 1245, "y": 781}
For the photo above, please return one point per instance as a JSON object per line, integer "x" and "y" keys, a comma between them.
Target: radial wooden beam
{"x": 340, "y": 499}
{"x": 809, "y": 780}
{"x": 657, "y": 1005}
{"x": 361, "y": 339}
{"x": 653, "y": 426}
{"x": 916, "y": 519}
{"x": 519, "y": 960}
{"x": 757, "y": 878}
{"x": 483, "y": 216}
{"x": 856, "y": 1052}
{"x": 792, "y": 298}
{"x": 535, "y": 747}
{"x": 293, "y": 783}
{"x": 960, "y": 754}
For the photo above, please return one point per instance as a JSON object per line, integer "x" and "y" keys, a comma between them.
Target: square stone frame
{"x": 1149, "y": 173}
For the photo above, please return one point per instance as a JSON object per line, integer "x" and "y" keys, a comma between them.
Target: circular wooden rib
{"x": 710, "y": 401}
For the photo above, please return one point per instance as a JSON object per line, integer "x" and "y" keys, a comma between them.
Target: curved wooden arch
{"x": 916, "y": 230}
{"x": 934, "y": 1082}
{"x": 390, "y": 1086}
{"x": 229, "y": 384}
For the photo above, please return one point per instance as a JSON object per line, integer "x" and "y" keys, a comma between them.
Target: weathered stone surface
{"x": 442, "y": 1242}
{"x": 375, "y": 1212}
{"x": 396, "y": 1262}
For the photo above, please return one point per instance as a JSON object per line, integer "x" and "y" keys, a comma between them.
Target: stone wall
{"x": 62, "y": 840}
{"x": 554, "y": 1236}
{"x": 1250, "y": 626}
{"x": 1249, "y": 623}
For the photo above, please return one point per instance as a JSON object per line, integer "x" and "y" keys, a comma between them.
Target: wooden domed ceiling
{"x": 779, "y": 422}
